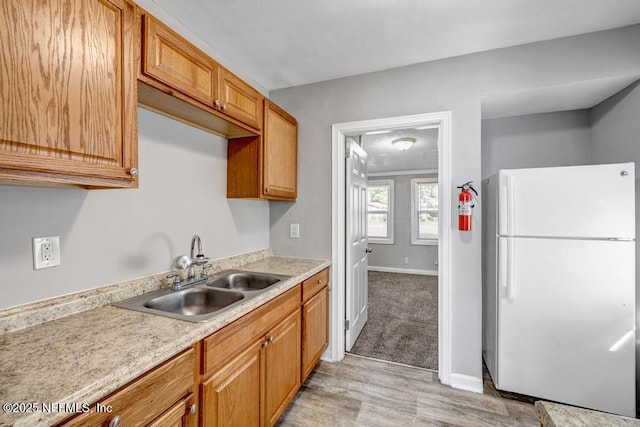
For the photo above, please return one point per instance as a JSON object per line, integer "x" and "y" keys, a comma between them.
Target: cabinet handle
{"x": 268, "y": 342}
{"x": 133, "y": 171}
{"x": 115, "y": 422}
{"x": 193, "y": 408}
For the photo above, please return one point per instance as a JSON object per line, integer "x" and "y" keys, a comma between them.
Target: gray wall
{"x": 615, "y": 137}
{"x": 114, "y": 235}
{"x": 536, "y": 140}
{"x": 453, "y": 84}
{"x": 392, "y": 256}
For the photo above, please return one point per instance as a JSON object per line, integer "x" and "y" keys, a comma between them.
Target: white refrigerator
{"x": 559, "y": 284}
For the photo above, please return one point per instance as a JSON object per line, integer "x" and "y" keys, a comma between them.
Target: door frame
{"x": 442, "y": 120}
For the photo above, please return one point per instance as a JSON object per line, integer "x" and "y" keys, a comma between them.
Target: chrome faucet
{"x": 198, "y": 259}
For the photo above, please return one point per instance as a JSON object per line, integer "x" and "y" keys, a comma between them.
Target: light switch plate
{"x": 294, "y": 231}
{"x": 46, "y": 252}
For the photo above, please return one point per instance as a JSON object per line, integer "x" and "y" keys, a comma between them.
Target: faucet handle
{"x": 175, "y": 277}
{"x": 204, "y": 273}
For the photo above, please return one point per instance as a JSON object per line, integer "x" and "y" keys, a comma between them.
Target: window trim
{"x": 415, "y": 240}
{"x": 390, "y": 216}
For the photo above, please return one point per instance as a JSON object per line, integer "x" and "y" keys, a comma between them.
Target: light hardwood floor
{"x": 365, "y": 392}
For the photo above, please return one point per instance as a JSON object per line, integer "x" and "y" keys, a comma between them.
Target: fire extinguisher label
{"x": 465, "y": 208}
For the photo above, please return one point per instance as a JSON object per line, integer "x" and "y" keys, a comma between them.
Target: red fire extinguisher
{"x": 465, "y": 206}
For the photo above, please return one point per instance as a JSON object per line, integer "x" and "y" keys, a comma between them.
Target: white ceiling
{"x": 384, "y": 157}
{"x": 283, "y": 43}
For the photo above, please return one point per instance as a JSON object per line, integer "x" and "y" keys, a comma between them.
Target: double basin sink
{"x": 207, "y": 299}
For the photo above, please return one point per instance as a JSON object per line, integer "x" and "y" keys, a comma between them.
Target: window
{"x": 424, "y": 211}
{"x": 380, "y": 211}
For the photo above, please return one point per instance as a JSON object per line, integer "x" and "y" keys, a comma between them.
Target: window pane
{"x": 427, "y": 210}
{"x": 377, "y": 225}
{"x": 378, "y": 211}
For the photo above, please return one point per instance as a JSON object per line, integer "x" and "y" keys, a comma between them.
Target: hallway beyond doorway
{"x": 403, "y": 320}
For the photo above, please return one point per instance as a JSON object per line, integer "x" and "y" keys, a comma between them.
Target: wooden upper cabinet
{"x": 265, "y": 167}
{"x": 171, "y": 59}
{"x": 68, "y": 93}
{"x": 239, "y": 100}
{"x": 280, "y": 154}
{"x": 186, "y": 72}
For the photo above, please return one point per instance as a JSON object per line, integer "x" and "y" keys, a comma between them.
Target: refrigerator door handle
{"x": 511, "y": 215}
{"x": 510, "y": 268}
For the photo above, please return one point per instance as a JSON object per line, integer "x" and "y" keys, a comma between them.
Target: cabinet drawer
{"x": 314, "y": 284}
{"x": 222, "y": 345}
{"x": 174, "y": 61}
{"x": 151, "y": 394}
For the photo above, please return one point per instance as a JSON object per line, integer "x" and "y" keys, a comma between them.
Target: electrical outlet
{"x": 46, "y": 252}
{"x": 406, "y": 260}
{"x": 294, "y": 231}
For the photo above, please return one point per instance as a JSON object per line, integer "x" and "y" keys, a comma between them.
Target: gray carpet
{"x": 402, "y": 321}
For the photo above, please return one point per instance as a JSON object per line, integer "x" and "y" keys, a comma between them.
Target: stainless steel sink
{"x": 194, "y": 301}
{"x": 245, "y": 281}
{"x": 204, "y": 301}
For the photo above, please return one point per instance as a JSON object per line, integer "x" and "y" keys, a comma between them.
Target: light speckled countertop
{"x": 85, "y": 356}
{"x": 557, "y": 415}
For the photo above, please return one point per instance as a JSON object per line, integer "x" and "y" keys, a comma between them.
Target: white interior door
{"x": 357, "y": 251}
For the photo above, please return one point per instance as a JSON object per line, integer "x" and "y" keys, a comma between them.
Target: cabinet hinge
{"x": 347, "y": 151}
{"x": 346, "y": 325}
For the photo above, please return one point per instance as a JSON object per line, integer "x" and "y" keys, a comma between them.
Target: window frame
{"x": 389, "y": 240}
{"x": 415, "y": 239}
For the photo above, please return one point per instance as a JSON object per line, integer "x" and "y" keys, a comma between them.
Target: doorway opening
{"x": 441, "y": 123}
{"x": 400, "y": 220}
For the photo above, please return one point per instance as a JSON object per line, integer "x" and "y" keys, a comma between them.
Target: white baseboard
{"x": 404, "y": 270}
{"x": 466, "y": 382}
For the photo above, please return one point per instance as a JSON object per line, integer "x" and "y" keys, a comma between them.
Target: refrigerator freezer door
{"x": 576, "y": 201}
{"x": 567, "y": 332}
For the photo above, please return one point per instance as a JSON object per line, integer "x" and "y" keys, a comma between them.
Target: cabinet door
{"x": 315, "y": 330}
{"x": 239, "y": 100}
{"x": 233, "y": 396}
{"x": 282, "y": 366}
{"x": 174, "y": 61}
{"x": 279, "y": 154}
{"x": 173, "y": 417}
{"x": 68, "y": 93}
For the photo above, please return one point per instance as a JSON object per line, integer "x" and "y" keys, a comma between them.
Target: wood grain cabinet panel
{"x": 282, "y": 365}
{"x": 280, "y": 153}
{"x": 233, "y": 395}
{"x": 171, "y": 59}
{"x": 68, "y": 93}
{"x": 239, "y": 100}
{"x": 315, "y": 330}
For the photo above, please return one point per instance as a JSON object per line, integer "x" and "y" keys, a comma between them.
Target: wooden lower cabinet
{"x": 233, "y": 396}
{"x": 282, "y": 366}
{"x": 315, "y": 330}
{"x": 255, "y": 387}
{"x": 162, "y": 397}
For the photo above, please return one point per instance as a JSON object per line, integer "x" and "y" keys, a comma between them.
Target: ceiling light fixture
{"x": 403, "y": 144}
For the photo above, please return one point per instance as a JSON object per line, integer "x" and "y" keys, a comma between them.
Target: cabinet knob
{"x": 266, "y": 190}
{"x": 193, "y": 408}
{"x": 115, "y": 422}
{"x": 133, "y": 171}
{"x": 223, "y": 107}
{"x": 319, "y": 281}
{"x": 216, "y": 103}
